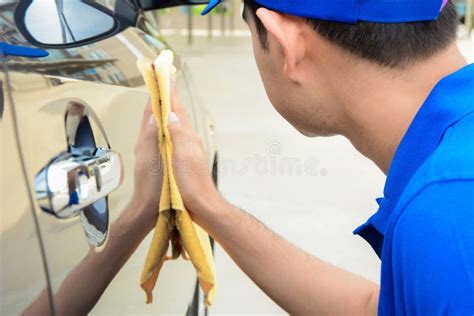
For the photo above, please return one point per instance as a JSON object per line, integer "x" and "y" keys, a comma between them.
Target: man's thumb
{"x": 174, "y": 127}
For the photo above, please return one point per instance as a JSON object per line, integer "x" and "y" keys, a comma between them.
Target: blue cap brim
{"x": 212, "y": 4}
{"x": 21, "y": 51}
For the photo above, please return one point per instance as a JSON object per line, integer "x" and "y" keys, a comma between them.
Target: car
{"x": 70, "y": 121}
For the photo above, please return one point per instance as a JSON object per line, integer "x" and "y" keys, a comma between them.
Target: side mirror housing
{"x": 73, "y": 23}
{"x": 65, "y": 23}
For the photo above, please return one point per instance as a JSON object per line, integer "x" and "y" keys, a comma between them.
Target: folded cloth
{"x": 174, "y": 223}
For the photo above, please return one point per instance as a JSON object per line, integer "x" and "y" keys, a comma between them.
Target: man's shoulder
{"x": 442, "y": 207}
{"x": 446, "y": 178}
{"x": 452, "y": 160}
{"x": 429, "y": 244}
{"x": 439, "y": 220}
{"x": 439, "y": 199}
{"x": 432, "y": 249}
{"x": 454, "y": 156}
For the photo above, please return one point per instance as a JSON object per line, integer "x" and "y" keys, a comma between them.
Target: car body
{"x": 102, "y": 82}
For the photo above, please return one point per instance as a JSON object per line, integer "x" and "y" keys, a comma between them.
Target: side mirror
{"x": 64, "y": 23}
{"x": 73, "y": 23}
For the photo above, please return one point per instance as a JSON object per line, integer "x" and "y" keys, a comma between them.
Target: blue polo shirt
{"x": 424, "y": 228}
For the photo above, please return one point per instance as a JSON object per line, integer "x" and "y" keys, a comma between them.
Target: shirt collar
{"x": 447, "y": 103}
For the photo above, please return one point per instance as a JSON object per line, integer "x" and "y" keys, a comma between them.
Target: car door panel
{"x": 103, "y": 78}
{"x": 120, "y": 111}
{"x": 22, "y": 279}
{"x": 41, "y": 117}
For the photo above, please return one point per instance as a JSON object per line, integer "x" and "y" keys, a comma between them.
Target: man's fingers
{"x": 147, "y": 112}
{"x": 149, "y": 127}
{"x": 180, "y": 136}
{"x": 177, "y": 116}
{"x": 177, "y": 107}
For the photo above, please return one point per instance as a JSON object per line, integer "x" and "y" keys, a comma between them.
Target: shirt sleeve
{"x": 433, "y": 251}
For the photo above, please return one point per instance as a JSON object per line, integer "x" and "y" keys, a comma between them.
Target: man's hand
{"x": 148, "y": 171}
{"x": 190, "y": 164}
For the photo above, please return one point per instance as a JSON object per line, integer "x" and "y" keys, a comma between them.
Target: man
{"x": 388, "y": 76}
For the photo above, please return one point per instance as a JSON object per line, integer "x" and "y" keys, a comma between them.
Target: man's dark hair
{"x": 387, "y": 44}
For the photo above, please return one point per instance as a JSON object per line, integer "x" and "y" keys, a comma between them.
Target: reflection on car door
{"x": 22, "y": 278}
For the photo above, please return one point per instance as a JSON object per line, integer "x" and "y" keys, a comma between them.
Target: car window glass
{"x": 109, "y": 61}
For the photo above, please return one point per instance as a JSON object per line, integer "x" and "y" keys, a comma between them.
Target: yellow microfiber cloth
{"x": 174, "y": 223}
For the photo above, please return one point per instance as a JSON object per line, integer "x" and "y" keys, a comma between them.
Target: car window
{"x": 87, "y": 62}
{"x": 110, "y": 61}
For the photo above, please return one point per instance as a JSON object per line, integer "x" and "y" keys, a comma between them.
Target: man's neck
{"x": 380, "y": 104}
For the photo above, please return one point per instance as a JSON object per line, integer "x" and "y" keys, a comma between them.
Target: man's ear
{"x": 288, "y": 32}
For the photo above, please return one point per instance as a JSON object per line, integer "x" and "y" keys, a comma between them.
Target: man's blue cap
{"x": 21, "y": 51}
{"x": 351, "y": 11}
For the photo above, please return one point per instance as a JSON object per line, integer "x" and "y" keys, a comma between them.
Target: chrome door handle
{"x": 71, "y": 182}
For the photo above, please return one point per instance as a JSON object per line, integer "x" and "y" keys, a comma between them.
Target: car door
{"x": 63, "y": 105}
{"x": 22, "y": 277}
